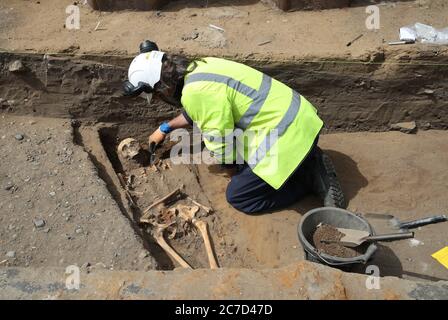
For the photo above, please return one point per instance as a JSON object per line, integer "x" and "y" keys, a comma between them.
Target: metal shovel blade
{"x": 350, "y": 238}
{"x": 354, "y": 238}
{"x": 152, "y": 153}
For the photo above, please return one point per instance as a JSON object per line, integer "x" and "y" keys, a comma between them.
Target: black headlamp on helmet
{"x": 131, "y": 90}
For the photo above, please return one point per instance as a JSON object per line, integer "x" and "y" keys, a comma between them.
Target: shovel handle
{"x": 422, "y": 222}
{"x": 390, "y": 236}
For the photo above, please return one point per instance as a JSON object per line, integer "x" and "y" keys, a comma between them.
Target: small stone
{"x": 11, "y": 254}
{"x": 100, "y": 265}
{"x": 16, "y": 66}
{"x": 143, "y": 254}
{"x": 428, "y": 91}
{"x": 78, "y": 230}
{"x": 19, "y": 136}
{"x": 405, "y": 127}
{"x": 150, "y": 266}
{"x": 46, "y": 230}
{"x": 9, "y": 186}
{"x": 86, "y": 265}
{"x": 39, "y": 223}
{"x": 52, "y": 193}
{"x": 415, "y": 243}
{"x": 426, "y": 126}
{"x": 191, "y": 36}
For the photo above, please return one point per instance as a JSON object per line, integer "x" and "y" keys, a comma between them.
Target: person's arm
{"x": 159, "y": 135}
{"x": 179, "y": 122}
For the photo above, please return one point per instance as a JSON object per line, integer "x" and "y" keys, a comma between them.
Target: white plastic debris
{"x": 415, "y": 243}
{"x": 407, "y": 34}
{"x": 424, "y": 33}
{"x": 216, "y": 27}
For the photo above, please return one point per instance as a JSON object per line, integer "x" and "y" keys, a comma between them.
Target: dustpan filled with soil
{"x": 321, "y": 224}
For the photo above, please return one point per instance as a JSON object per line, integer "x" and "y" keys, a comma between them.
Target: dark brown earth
{"x": 325, "y": 232}
{"x": 351, "y": 96}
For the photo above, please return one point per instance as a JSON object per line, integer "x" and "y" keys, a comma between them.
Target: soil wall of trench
{"x": 369, "y": 93}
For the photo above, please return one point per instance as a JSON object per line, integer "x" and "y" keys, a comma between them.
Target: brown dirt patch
{"x": 327, "y": 232}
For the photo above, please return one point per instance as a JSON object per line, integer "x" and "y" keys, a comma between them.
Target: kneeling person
{"x": 281, "y": 164}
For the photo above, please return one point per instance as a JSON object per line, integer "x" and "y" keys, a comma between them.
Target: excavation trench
{"x": 142, "y": 184}
{"x": 260, "y": 241}
{"x": 353, "y": 96}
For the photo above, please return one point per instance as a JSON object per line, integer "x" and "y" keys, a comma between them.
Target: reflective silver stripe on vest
{"x": 278, "y": 131}
{"x": 258, "y": 96}
{"x": 257, "y": 103}
{"x": 232, "y": 83}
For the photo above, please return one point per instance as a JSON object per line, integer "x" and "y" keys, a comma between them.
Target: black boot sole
{"x": 328, "y": 186}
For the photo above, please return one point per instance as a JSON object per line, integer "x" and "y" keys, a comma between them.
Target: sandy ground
{"x": 52, "y": 179}
{"x": 384, "y": 173}
{"x": 54, "y": 209}
{"x": 183, "y": 26}
{"x": 391, "y": 173}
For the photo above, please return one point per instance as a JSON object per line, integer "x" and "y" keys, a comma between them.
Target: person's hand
{"x": 156, "y": 137}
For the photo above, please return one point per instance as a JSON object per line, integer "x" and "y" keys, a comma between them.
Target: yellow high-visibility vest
{"x": 275, "y": 127}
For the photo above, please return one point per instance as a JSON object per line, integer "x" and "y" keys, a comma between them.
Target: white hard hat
{"x": 146, "y": 68}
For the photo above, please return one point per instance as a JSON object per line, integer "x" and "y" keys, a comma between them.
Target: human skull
{"x": 129, "y": 148}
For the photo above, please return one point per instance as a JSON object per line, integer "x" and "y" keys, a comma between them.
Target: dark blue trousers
{"x": 249, "y": 193}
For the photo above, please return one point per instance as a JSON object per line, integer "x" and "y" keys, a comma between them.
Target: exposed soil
{"x": 147, "y": 183}
{"x": 369, "y": 180}
{"x": 247, "y": 24}
{"x": 350, "y": 96}
{"x": 269, "y": 240}
{"x": 365, "y": 87}
{"x": 55, "y": 208}
{"x": 325, "y": 232}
